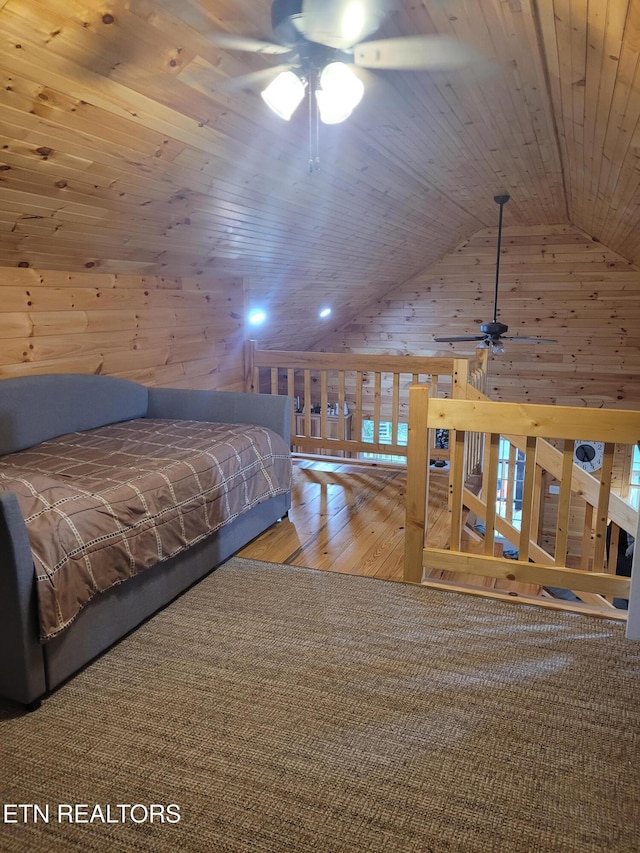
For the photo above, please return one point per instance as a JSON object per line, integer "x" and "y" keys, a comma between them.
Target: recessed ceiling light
{"x": 325, "y": 312}
{"x": 257, "y": 316}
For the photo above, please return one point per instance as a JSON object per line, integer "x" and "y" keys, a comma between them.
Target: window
{"x": 385, "y": 436}
{"x": 510, "y": 483}
{"x": 634, "y": 479}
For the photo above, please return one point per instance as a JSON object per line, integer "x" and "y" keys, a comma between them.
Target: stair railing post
{"x": 459, "y": 382}
{"x": 417, "y": 482}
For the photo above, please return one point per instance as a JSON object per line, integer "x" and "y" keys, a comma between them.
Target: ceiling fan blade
{"x": 341, "y": 23}
{"x": 427, "y": 53}
{"x": 459, "y": 338}
{"x": 231, "y": 42}
{"x": 517, "y": 338}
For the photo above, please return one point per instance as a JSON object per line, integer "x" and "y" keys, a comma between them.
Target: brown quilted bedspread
{"x": 101, "y": 506}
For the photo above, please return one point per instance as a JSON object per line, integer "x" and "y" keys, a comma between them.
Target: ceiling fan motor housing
{"x": 494, "y": 330}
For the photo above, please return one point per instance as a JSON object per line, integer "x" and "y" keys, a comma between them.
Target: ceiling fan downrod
{"x": 501, "y": 200}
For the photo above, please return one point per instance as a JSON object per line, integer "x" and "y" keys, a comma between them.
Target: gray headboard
{"x": 35, "y": 408}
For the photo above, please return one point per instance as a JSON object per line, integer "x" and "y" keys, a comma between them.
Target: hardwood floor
{"x": 350, "y": 518}
{"x": 345, "y": 518}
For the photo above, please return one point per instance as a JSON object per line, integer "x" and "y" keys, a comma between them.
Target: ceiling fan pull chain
{"x": 314, "y": 124}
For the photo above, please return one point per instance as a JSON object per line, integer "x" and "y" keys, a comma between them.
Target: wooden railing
{"x": 529, "y": 429}
{"x": 357, "y": 388}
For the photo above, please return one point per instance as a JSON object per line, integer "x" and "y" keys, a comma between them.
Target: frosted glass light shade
{"x": 339, "y": 93}
{"x": 284, "y": 93}
{"x": 353, "y": 23}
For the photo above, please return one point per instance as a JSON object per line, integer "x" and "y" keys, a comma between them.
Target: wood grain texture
{"x": 555, "y": 282}
{"x": 122, "y": 153}
{"x": 182, "y": 332}
{"x": 347, "y": 518}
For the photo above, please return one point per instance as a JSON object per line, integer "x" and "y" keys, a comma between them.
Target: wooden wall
{"x": 554, "y": 282}
{"x": 179, "y": 332}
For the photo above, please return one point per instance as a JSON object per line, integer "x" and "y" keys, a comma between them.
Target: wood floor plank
{"x": 344, "y": 518}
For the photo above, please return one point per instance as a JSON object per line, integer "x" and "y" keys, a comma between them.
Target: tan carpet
{"x": 286, "y": 709}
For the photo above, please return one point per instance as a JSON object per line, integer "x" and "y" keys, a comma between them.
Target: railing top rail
{"x": 363, "y": 363}
{"x": 549, "y": 457}
{"x": 543, "y": 421}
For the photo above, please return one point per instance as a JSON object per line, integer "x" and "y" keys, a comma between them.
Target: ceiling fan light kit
{"x": 337, "y": 94}
{"x": 324, "y": 37}
{"x": 284, "y": 94}
{"x": 494, "y": 333}
{"x": 340, "y": 23}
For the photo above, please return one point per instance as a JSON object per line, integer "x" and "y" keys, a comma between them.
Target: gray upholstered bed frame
{"x": 35, "y": 408}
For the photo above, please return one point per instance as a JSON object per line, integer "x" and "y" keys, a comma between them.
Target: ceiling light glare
{"x": 326, "y": 312}
{"x": 497, "y": 348}
{"x": 353, "y": 22}
{"x": 482, "y": 345}
{"x": 339, "y": 93}
{"x": 257, "y": 316}
{"x": 284, "y": 93}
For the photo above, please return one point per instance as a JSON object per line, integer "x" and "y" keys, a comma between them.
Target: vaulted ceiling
{"x": 122, "y": 150}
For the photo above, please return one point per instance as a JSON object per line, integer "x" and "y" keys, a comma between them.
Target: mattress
{"x": 103, "y": 505}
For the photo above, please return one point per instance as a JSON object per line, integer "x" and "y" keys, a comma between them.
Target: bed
{"x": 115, "y": 498}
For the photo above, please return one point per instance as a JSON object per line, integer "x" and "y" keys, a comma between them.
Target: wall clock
{"x": 588, "y": 454}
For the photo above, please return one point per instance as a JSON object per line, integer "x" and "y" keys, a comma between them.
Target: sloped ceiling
{"x": 120, "y": 153}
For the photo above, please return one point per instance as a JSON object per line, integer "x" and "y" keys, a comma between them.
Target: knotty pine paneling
{"x": 182, "y": 332}
{"x": 591, "y": 54}
{"x": 554, "y": 282}
{"x": 120, "y": 152}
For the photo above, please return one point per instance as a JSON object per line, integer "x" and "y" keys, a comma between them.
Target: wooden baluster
{"x": 357, "y": 415}
{"x": 456, "y": 487}
{"x": 614, "y": 542}
{"x": 602, "y": 509}
{"x": 511, "y": 481}
{"x": 473, "y": 465}
{"x": 291, "y": 392}
{"x": 431, "y": 433}
{"x": 417, "y": 484}
{"x": 491, "y": 493}
{"x": 341, "y": 398}
{"x": 485, "y": 467}
{"x": 537, "y": 502}
{"x": 564, "y": 505}
{"x": 587, "y": 534}
{"x": 527, "y": 498}
{"x": 395, "y": 408}
{"x": 377, "y": 399}
{"x": 324, "y": 403}
{"x": 307, "y": 403}
{"x": 274, "y": 380}
{"x": 459, "y": 379}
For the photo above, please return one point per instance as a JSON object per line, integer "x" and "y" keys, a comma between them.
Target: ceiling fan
{"x": 323, "y": 39}
{"x": 494, "y": 333}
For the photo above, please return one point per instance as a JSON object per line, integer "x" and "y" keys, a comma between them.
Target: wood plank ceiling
{"x": 120, "y": 153}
